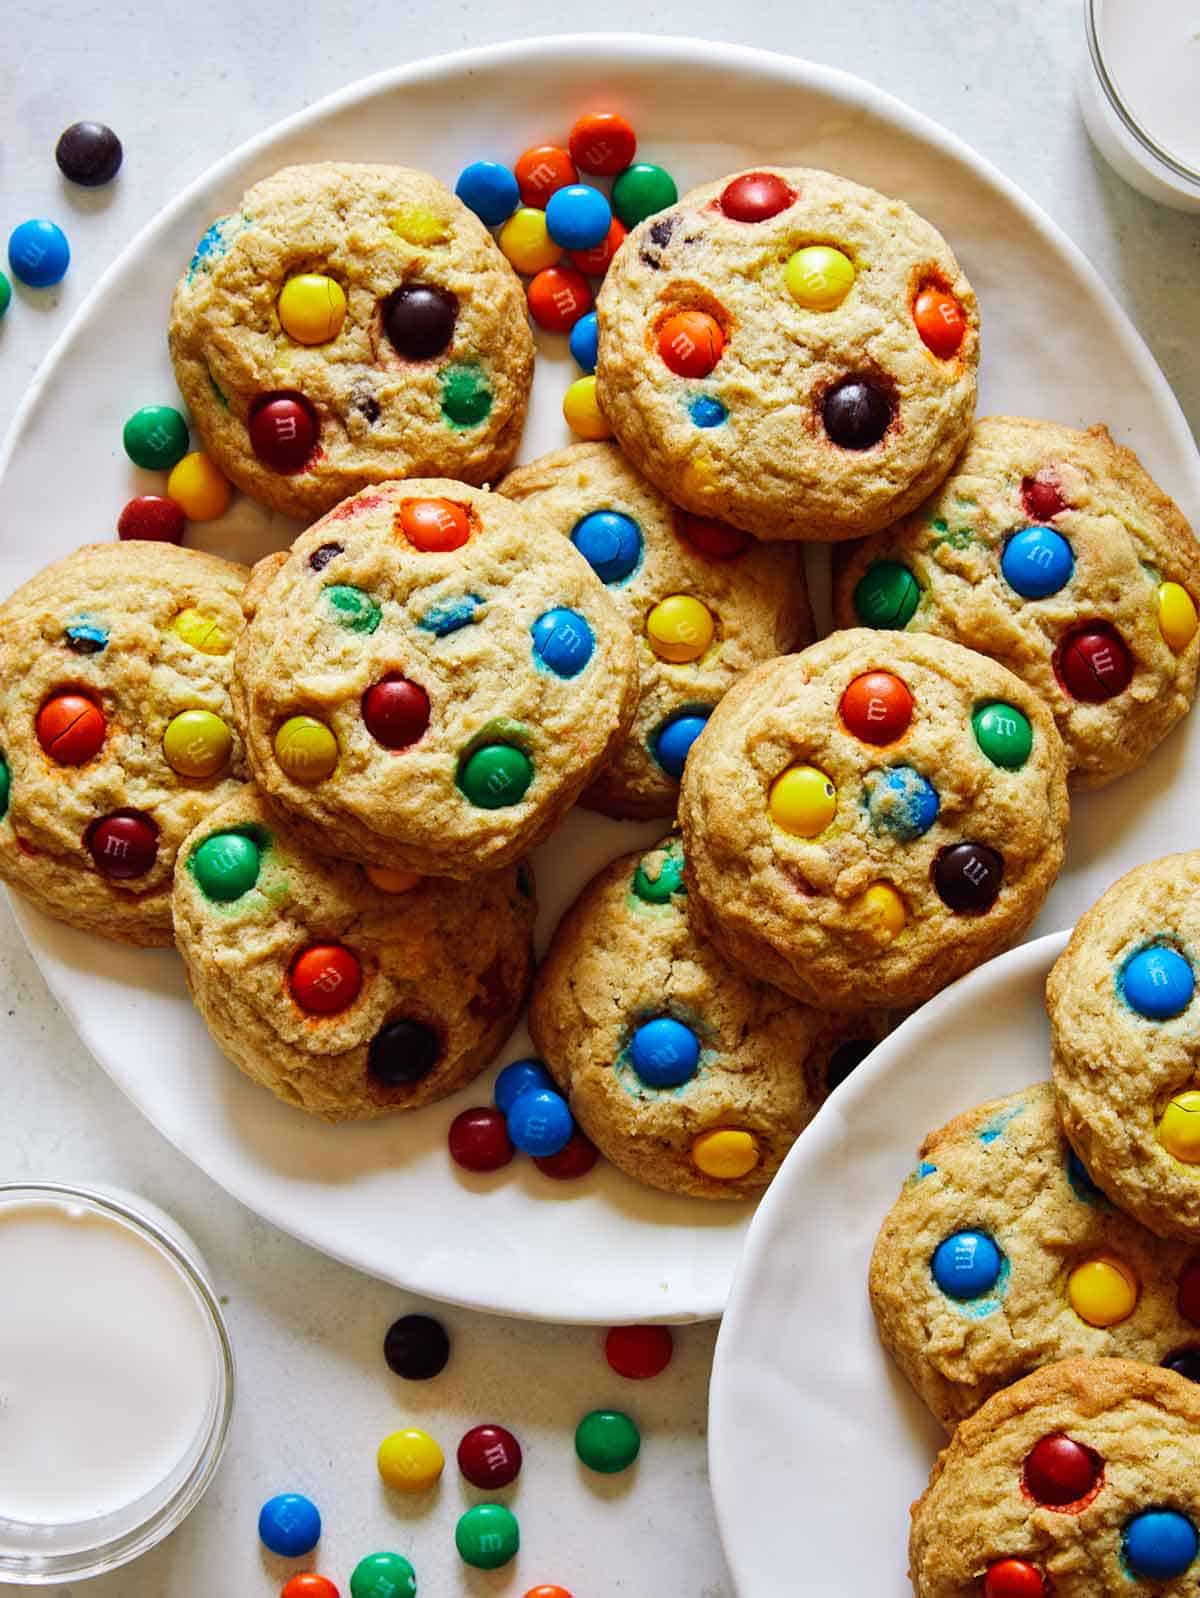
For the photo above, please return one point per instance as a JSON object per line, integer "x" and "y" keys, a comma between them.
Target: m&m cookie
{"x": 685, "y": 1072}
{"x": 1124, "y": 1020}
{"x": 116, "y": 729}
{"x": 1079, "y": 1481}
{"x": 430, "y": 678}
{"x": 869, "y": 819}
{"x": 349, "y": 324}
{"x": 790, "y": 352}
{"x": 1055, "y": 552}
{"x": 705, "y": 602}
{"x": 349, "y": 991}
{"x": 1001, "y": 1254}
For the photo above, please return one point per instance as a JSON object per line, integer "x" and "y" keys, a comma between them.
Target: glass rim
{"x": 120, "y": 1549}
{"x": 1124, "y": 114}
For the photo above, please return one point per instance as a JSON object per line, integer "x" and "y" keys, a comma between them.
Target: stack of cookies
{"x": 321, "y": 779}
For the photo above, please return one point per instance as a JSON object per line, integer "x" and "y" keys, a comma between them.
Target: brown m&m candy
{"x": 967, "y": 876}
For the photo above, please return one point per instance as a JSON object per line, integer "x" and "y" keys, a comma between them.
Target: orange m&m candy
{"x": 595, "y": 262}
{"x": 603, "y": 143}
{"x": 541, "y": 172}
{"x": 877, "y": 707}
{"x": 434, "y": 524}
{"x": 70, "y": 728}
{"x": 941, "y": 321}
{"x": 325, "y": 978}
{"x": 558, "y": 297}
{"x": 691, "y": 343}
{"x": 547, "y": 1592}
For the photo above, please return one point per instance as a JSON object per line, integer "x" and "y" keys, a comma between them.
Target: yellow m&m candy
{"x": 582, "y": 410}
{"x": 726, "y": 1154}
{"x": 198, "y": 488}
{"x": 1179, "y": 1129}
{"x": 306, "y": 750}
{"x": 1103, "y": 1291}
{"x": 410, "y": 1461}
{"x": 197, "y": 743}
{"x": 802, "y": 801}
{"x": 819, "y": 277}
{"x": 679, "y": 628}
{"x": 201, "y": 632}
{"x": 525, "y": 240}
{"x": 312, "y": 308}
{"x": 1176, "y": 615}
{"x": 884, "y": 911}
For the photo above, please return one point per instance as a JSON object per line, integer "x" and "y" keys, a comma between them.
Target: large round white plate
{"x": 817, "y": 1445}
{"x": 384, "y": 1196}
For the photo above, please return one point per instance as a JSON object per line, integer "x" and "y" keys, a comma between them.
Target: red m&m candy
{"x": 70, "y": 728}
{"x": 1092, "y": 662}
{"x": 715, "y": 539}
{"x": 1060, "y": 1471}
{"x": 877, "y": 707}
{"x": 603, "y": 143}
{"x": 755, "y": 196}
{"x": 123, "y": 845}
{"x": 1013, "y": 1578}
{"x": 325, "y": 978}
{"x": 541, "y": 172}
{"x": 154, "y": 518}
{"x": 1042, "y": 496}
{"x": 479, "y": 1140}
{"x": 595, "y": 262}
{"x": 283, "y": 431}
{"x": 558, "y": 297}
{"x": 434, "y": 525}
{"x": 639, "y": 1352}
{"x": 574, "y": 1159}
{"x": 690, "y": 343}
{"x": 489, "y": 1457}
{"x": 396, "y": 712}
{"x": 941, "y": 321}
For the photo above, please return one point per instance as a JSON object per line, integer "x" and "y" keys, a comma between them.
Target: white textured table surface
{"x": 182, "y": 85}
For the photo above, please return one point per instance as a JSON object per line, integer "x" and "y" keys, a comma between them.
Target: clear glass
{"x": 36, "y": 1555}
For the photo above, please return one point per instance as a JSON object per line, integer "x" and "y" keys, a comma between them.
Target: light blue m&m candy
{"x": 665, "y": 1053}
{"x": 38, "y": 253}
{"x": 578, "y": 217}
{"x": 1037, "y": 562}
{"x": 1158, "y": 982}
{"x": 675, "y": 737}
{"x": 522, "y": 1076}
{"x": 585, "y": 338}
{"x": 610, "y": 542}
{"x": 966, "y": 1264}
{"x": 1160, "y": 1544}
{"x": 488, "y": 189}
{"x": 540, "y": 1122}
{"x": 563, "y": 641}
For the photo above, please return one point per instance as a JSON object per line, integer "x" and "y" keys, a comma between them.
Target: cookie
{"x": 1056, "y": 553}
{"x": 869, "y": 819}
{"x": 1080, "y": 1481}
{"x": 705, "y": 603}
{"x": 685, "y": 1073}
{"x": 116, "y": 729}
{"x": 1001, "y": 1254}
{"x": 348, "y": 991}
{"x": 430, "y": 679}
{"x": 349, "y": 324}
{"x": 790, "y": 352}
{"x": 1125, "y": 1027}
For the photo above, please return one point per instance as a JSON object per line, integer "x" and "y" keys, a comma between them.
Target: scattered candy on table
{"x": 607, "y": 1441}
{"x": 289, "y": 1525}
{"x": 541, "y": 171}
{"x": 584, "y": 341}
{"x": 490, "y": 190}
{"x": 410, "y": 1461}
{"x": 522, "y": 1076}
{"x": 307, "y": 1584}
{"x": 575, "y": 1159}
{"x": 539, "y": 1122}
{"x": 479, "y": 1140}
{"x": 558, "y": 297}
{"x": 582, "y": 412}
{"x": 526, "y": 241}
{"x": 640, "y": 191}
{"x": 383, "y": 1575}
{"x": 416, "y": 1347}
{"x": 602, "y": 143}
{"x": 639, "y": 1352}
{"x": 152, "y": 517}
{"x": 5, "y": 293}
{"x": 89, "y": 153}
{"x": 156, "y": 437}
{"x": 487, "y": 1536}
{"x": 198, "y": 487}
{"x": 38, "y": 253}
{"x": 578, "y": 217}
{"x": 489, "y": 1457}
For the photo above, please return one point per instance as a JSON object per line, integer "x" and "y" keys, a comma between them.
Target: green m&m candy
{"x": 226, "y": 866}
{"x": 886, "y": 595}
{"x": 383, "y": 1576}
{"x": 353, "y": 608}
{"x": 641, "y": 190}
{"x": 607, "y": 1441}
{"x": 5, "y": 293}
{"x": 657, "y": 890}
{"x": 1004, "y": 734}
{"x": 496, "y": 775}
{"x": 466, "y": 397}
{"x": 5, "y": 787}
{"x": 487, "y": 1536}
{"x": 156, "y": 437}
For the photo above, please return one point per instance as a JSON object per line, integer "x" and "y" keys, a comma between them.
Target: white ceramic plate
{"x": 810, "y": 1423}
{"x": 384, "y": 1196}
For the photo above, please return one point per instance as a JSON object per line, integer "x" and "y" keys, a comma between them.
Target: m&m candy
{"x": 88, "y": 153}
{"x": 307, "y": 1584}
{"x": 940, "y": 320}
{"x": 664, "y": 1052}
{"x": 856, "y": 413}
{"x": 325, "y": 978}
{"x": 5, "y": 787}
{"x": 70, "y": 728}
{"x": 5, "y": 294}
{"x": 639, "y": 1352}
{"x": 321, "y": 556}
{"x": 596, "y": 261}
{"x": 690, "y": 343}
{"x": 1179, "y": 1127}
{"x": 226, "y": 866}
{"x": 199, "y": 488}
{"x": 610, "y": 542}
{"x": 487, "y": 1536}
{"x": 155, "y": 437}
{"x": 383, "y": 1575}
{"x": 886, "y": 595}
{"x": 419, "y": 320}
{"x": 479, "y": 1140}
{"x": 1103, "y": 1291}
{"x": 1093, "y": 663}
{"x": 123, "y": 845}
{"x": 661, "y": 888}
{"x": 434, "y": 524}
{"x": 522, "y": 1076}
{"x": 641, "y": 190}
{"x": 582, "y": 413}
{"x": 488, "y": 189}
{"x": 802, "y": 801}
{"x": 289, "y": 1525}
{"x": 883, "y": 910}
{"x": 1184, "y": 1362}
{"x": 283, "y": 431}
{"x": 1042, "y": 495}
{"x": 197, "y": 743}
{"x": 675, "y": 738}
{"x": 563, "y": 641}
{"x": 388, "y": 880}
{"x": 541, "y": 172}
{"x": 1158, "y": 982}
{"x": 306, "y": 750}
{"x": 755, "y": 197}
{"x": 607, "y": 1441}
{"x": 901, "y": 801}
{"x": 409, "y": 1461}
{"x": 558, "y": 297}
{"x": 495, "y": 776}
{"x": 38, "y": 253}
{"x": 726, "y": 1154}
{"x": 584, "y": 342}
{"x": 1177, "y": 618}
{"x": 1013, "y": 1578}
{"x": 489, "y": 1457}
{"x": 545, "y": 1591}
{"x": 201, "y": 632}
{"x": 1060, "y": 1471}
{"x": 352, "y": 608}
{"x": 1159, "y": 1544}
{"x": 154, "y": 518}
{"x": 706, "y": 410}
{"x": 818, "y": 277}
{"x": 526, "y": 242}
{"x": 539, "y": 1121}
{"x": 710, "y": 537}
{"x": 312, "y": 308}
{"x": 575, "y": 1159}
{"x": 1037, "y": 562}
{"x": 578, "y": 217}
{"x": 395, "y": 712}
{"x": 967, "y": 1265}
{"x": 416, "y": 1347}
{"x": 1004, "y": 734}
{"x": 680, "y": 628}
{"x": 877, "y": 707}
{"x": 466, "y": 394}
{"x": 404, "y": 1050}
{"x": 602, "y": 143}
{"x": 968, "y": 876}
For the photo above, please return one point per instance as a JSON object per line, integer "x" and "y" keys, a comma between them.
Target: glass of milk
{"x": 1139, "y": 90}
{"x": 116, "y": 1380}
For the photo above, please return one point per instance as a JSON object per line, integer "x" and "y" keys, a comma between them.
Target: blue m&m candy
{"x": 289, "y": 1525}
{"x": 1037, "y": 562}
{"x": 610, "y": 542}
{"x": 562, "y": 641}
{"x": 1158, "y": 982}
{"x": 966, "y": 1264}
{"x": 540, "y": 1122}
{"x": 522, "y": 1076}
{"x": 38, "y": 253}
{"x": 1160, "y": 1544}
{"x": 707, "y": 411}
{"x": 578, "y": 217}
{"x": 584, "y": 341}
{"x": 901, "y": 801}
{"x": 664, "y": 1052}
{"x": 675, "y": 737}
{"x": 488, "y": 189}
